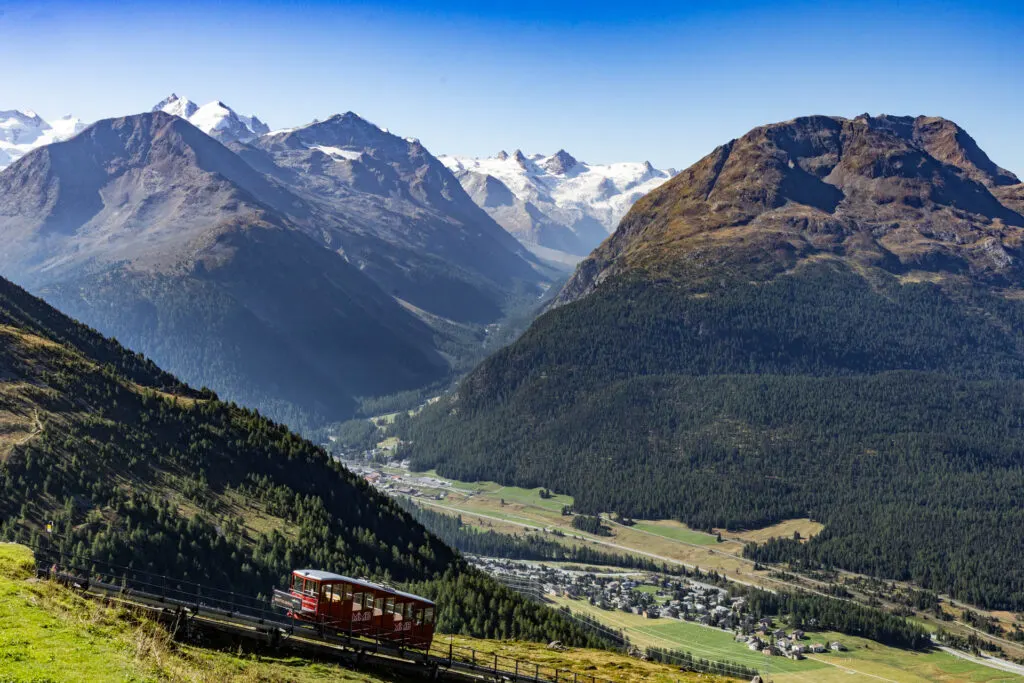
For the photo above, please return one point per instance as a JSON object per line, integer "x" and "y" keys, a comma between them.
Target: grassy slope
{"x": 47, "y": 633}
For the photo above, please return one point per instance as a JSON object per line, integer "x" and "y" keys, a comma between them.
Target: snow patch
{"x": 338, "y": 152}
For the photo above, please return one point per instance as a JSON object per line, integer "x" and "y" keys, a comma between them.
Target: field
{"x": 675, "y": 531}
{"x": 864, "y": 661}
{"x": 610, "y": 665}
{"x": 805, "y": 527}
{"x": 516, "y": 510}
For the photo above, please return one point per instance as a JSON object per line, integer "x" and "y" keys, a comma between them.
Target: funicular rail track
{"x": 184, "y": 605}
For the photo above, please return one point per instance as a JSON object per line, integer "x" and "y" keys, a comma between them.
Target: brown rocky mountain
{"x": 899, "y": 193}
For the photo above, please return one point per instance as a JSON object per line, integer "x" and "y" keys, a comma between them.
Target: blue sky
{"x": 660, "y": 81}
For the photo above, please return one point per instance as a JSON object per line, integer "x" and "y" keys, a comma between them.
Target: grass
{"x": 610, "y": 665}
{"x": 49, "y": 634}
{"x": 702, "y": 641}
{"x": 864, "y": 662}
{"x": 675, "y": 531}
{"x": 784, "y": 529}
{"x": 532, "y": 498}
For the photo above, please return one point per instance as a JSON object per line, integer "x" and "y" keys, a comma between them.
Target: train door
{"x": 331, "y": 603}
{"x": 344, "y": 593}
{"x": 378, "y": 615}
{"x": 387, "y": 617}
{"x": 402, "y": 628}
{"x": 310, "y": 598}
{"x": 361, "y": 616}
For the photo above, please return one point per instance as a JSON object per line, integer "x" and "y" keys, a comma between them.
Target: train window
{"x": 389, "y": 606}
{"x": 418, "y": 617}
{"x": 347, "y": 587}
{"x": 296, "y": 583}
{"x": 408, "y": 610}
{"x": 312, "y": 587}
{"x": 379, "y": 605}
{"x": 428, "y": 615}
{"x": 357, "y": 601}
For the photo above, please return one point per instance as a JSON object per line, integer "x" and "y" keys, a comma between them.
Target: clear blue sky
{"x": 664, "y": 81}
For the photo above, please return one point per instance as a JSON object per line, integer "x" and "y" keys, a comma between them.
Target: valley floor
{"x": 517, "y": 511}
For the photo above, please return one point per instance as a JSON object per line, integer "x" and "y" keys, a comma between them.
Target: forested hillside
{"x": 815, "y": 321}
{"x": 135, "y": 469}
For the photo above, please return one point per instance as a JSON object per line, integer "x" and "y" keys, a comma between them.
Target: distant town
{"x": 656, "y": 596}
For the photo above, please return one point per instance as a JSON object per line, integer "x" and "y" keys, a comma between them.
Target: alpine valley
{"x": 294, "y": 271}
{"x": 823, "y": 318}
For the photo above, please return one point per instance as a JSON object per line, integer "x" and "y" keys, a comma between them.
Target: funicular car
{"x": 360, "y": 608}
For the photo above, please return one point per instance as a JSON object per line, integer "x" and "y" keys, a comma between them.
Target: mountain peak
{"x": 178, "y": 106}
{"x": 893, "y": 192}
{"x": 560, "y": 163}
{"x": 214, "y": 118}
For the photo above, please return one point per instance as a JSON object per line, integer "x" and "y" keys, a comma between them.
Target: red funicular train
{"x": 355, "y": 607}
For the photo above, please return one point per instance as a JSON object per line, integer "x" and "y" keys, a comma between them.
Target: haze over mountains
{"x": 821, "y": 318}
{"x": 557, "y": 205}
{"x": 293, "y": 272}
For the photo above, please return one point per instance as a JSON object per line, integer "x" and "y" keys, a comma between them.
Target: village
{"x": 649, "y": 595}
{"x": 655, "y": 596}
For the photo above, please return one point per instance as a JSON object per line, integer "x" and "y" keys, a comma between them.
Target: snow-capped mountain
{"x": 23, "y": 131}
{"x": 557, "y": 206}
{"x": 215, "y": 119}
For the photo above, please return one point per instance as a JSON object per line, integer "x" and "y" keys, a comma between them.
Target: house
{"x": 817, "y": 647}
{"x": 779, "y": 633}
{"x": 836, "y": 646}
{"x": 798, "y": 635}
{"x": 652, "y": 613}
{"x": 755, "y": 645}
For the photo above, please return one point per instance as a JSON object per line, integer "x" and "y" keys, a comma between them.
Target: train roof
{"x": 320, "y": 575}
